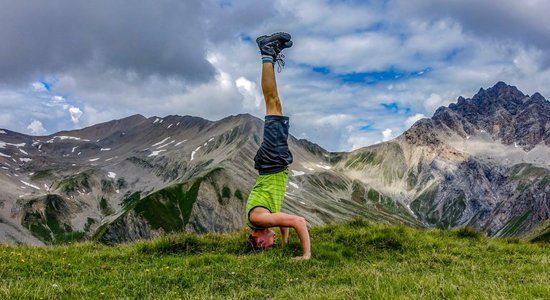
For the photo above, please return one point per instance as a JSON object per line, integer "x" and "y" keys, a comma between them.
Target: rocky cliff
{"x": 482, "y": 162}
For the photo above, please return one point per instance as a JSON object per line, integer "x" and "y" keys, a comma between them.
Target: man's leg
{"x": 269, "y": 88}
{"x": 270, "y": 48}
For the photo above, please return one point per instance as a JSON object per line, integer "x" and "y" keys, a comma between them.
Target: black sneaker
{"x": 272, "y": 45}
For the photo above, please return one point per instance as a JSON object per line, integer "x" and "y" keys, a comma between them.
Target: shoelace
{"x": 280, "y": 62}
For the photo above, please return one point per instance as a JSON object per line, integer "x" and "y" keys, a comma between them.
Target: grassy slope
{"x": 356, "y": 260}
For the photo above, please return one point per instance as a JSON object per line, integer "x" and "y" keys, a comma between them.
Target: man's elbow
{"x": 300, "y": 221}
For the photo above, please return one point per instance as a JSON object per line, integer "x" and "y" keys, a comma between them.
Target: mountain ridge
{"x": 479, "y": 162}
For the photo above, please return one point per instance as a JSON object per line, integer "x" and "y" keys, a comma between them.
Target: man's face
{"x": 265, "y": 238}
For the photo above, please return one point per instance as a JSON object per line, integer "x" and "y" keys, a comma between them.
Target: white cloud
{"x": 36, "y": 128}
{"x": 351, "y": 52}
{"x": 76, "y": 113}
{"x": 528, "y": 61}
{"x": 333, "y": 120}
{"x": 251, "y": 95}
{"x": 412, "y": 119}
{"x": 433, "y": 102}
{"x": 58, "y": 100}
{"x": 387, "y": 134}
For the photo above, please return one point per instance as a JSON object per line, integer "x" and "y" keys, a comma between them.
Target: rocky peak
{"x": 311, "y": 147}
{"x": 486, "y": 103}
{"x": 504, "y": 112}
{"x": 538, "y": 98}
{"x": 499, "y": 92}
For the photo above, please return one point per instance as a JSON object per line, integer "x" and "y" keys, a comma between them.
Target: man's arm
{"x": 284, "y": 234}
{"x": 266, "y": 219}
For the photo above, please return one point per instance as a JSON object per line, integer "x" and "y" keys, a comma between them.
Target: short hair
{"x": 251, "y": 244}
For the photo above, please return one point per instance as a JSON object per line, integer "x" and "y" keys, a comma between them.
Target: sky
{"x": 359, "y": 72}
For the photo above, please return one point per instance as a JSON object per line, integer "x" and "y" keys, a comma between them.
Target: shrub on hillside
{"x": 184, "y": 243}
{"x": 358, "y": 222}
{"x": 469, "y": 232}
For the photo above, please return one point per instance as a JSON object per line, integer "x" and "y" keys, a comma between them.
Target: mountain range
{"x": 482, "y": 162}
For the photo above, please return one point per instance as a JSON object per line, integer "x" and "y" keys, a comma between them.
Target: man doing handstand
{"x": 263, "y": 208}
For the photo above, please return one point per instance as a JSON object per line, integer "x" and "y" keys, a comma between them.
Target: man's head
{"x": 261, "y": 239}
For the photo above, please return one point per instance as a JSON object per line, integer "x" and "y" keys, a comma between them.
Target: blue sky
{"x": 360, "y": 72}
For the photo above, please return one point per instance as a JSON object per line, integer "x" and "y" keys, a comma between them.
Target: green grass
{"x": 452, "y": 212}
{"x": 226, "y": 192}
{"x": 169, "y": 208}
{"x": 239, "y": 195}
{"x": 105, "y": 207}
{"x": 541, "y": 234}
{"x": 359, "y": 161}
{"x": 353, "y": 261}
{"x": 46, "y": 225}
{"x": 422, "y": 205}
{"x": 514, "y": 225}
{"x": 73, "y": 183}
{"x": 526, "y": 175}
{"x": 412, "y": 180}
{"x": 42, "y": 174}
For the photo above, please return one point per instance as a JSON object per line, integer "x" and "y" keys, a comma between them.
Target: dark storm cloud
{"x": 513, "y": 20}
{"x": 161, "y": 37}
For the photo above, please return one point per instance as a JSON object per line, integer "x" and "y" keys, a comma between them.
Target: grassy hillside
{"x": 355, "y": 260}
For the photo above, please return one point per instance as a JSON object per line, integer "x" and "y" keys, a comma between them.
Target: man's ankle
{"x": 267, "y": 59}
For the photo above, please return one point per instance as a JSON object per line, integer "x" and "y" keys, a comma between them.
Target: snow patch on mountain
{"x": 179, "y": 143}
{"x": 193, "y": 153}
{"x": 162, "y": 146}
{"x": 161, "y": 142}
{"x": 29, "y": 185}
{"x": 4, "y": 144}
{"x": 294, "y": 185}
{"x": 65, "y": 137}
{"x": 324, "y": 166}
{"x": 155, "y": 153}
{"x": 297, "y": 173}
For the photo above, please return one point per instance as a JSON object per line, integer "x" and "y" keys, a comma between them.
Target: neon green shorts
{"x": 268, "y": 192}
